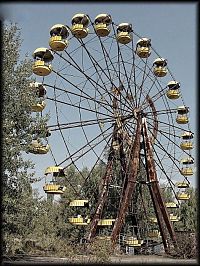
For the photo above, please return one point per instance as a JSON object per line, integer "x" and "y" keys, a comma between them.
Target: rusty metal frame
{"x": 129, "y": 173}
{"x": 158, "y": 203}
{"x": 129, "y": 184}
{"x": 102, "y": 197}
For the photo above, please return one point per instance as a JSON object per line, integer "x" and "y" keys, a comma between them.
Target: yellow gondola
{"x": 153, "y": 220}
{"x": 53, "y": 169}
{"x": 38, "y": 107}
{"x": 153, "y": 233}
{"x": 183, "y": 184}
{"x": 79, "y": 203}
{"x": 160, "y": 69}
{"x": 107, "y": 238}
{"x": 187, "y": 161}
{"x": 42, "y": 57}
{"x": 183, "y": 110}
{"x": 186, "y": 145}
{"x": 102, "y": 24}
{"x": 124, "y": 33}
{"x": 79, "y": 25}
{"x": 187, "y": 135}
{"x": 143, "y": 47}
{"x": 133, "y": 242}
{"x": 38, "y": 148}
{"x": 54, "y": 189}
{"x": 171, "y": 205}
{"x": 182, "y": 115}
{"x": 58, "y": 40}
{"x": 106, "y": 222}
{"x": 182, "y": 119}
{"x": 174, "y": 218}
{"x": 183, "y": 196}
{"x": 79, "y": 220}
{"x": 173, "y": 90}
{"x": 187, "y": 171}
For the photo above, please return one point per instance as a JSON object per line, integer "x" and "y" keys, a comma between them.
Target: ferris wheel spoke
{"x": 143, "y": 80}
{"x": 75, "y": 106}
{"x": 156, "y": 96}
{"x": 84, "y": 95}
{"x": 109, "y": 137}
{"x": 73, "y": 160}
{"x": 171, "y": 183}
{"x": 168, "y": 135}
{"x": 160, "y": 166}
{"x": 100, "y": 60}
{"x": 85, "y": 134}
{"x": 158, "y": 162}
{"x": 128, "y": 90}
{"x": 78, "y": 47}
{"x": 161, "y": 147}
{"x": 153, "y": 78}
{"x": 88, "y": 78}
{"x": 174, "y": 142}
{"x": 75, "y": 124}
{"x": 152, "y": 85}
{"x": 95, "y": 63}
{"x": 124, "y": 68}
{"x": 144, "y": 93}
{"x": 97, "y": 161}
{"x": 106, "y": 55}
{"x": 133, "y": 70}
{"x": 162, "y": 112}
{"x": 173, "y": 126}
{"x": 64, "y": 141}
{"x": 85, "y": 145}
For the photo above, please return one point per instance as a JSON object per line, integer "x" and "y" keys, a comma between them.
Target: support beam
{"x": 159, "y": 206}
{"x": 102, "y": 197}
{"x": 129, "y": 185}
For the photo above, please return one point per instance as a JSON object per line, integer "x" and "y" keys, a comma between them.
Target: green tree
{"x": 17, "y": 124}
{"x": 188, "y": 212}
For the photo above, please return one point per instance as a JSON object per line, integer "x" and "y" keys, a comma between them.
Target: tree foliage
{"x": 16, "y": 137}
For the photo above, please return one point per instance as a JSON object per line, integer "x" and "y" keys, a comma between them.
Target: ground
{"x": 125, "y": 259}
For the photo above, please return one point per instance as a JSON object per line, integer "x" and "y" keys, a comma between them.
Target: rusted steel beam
{"x": 166, "y": 216}
{"x": 102, "y": 197}
{"x": 104, "y": 181}
{"x": 159, "y": 206}
{"x": 155, "y": 119}
{"x": 159, "y": 218}
{"x": 129, "y": 184}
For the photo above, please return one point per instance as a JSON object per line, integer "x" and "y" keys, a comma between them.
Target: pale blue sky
{"x": 172, "y": 28}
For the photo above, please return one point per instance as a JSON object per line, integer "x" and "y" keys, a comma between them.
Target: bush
{"x": 187, "y": 244}
{"x": 100, "y": 250}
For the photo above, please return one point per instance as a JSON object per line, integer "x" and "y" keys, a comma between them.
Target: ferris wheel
{"x": 114, "y": 102}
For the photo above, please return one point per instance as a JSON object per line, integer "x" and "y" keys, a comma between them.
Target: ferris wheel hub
{"x": 136, "y": 112}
